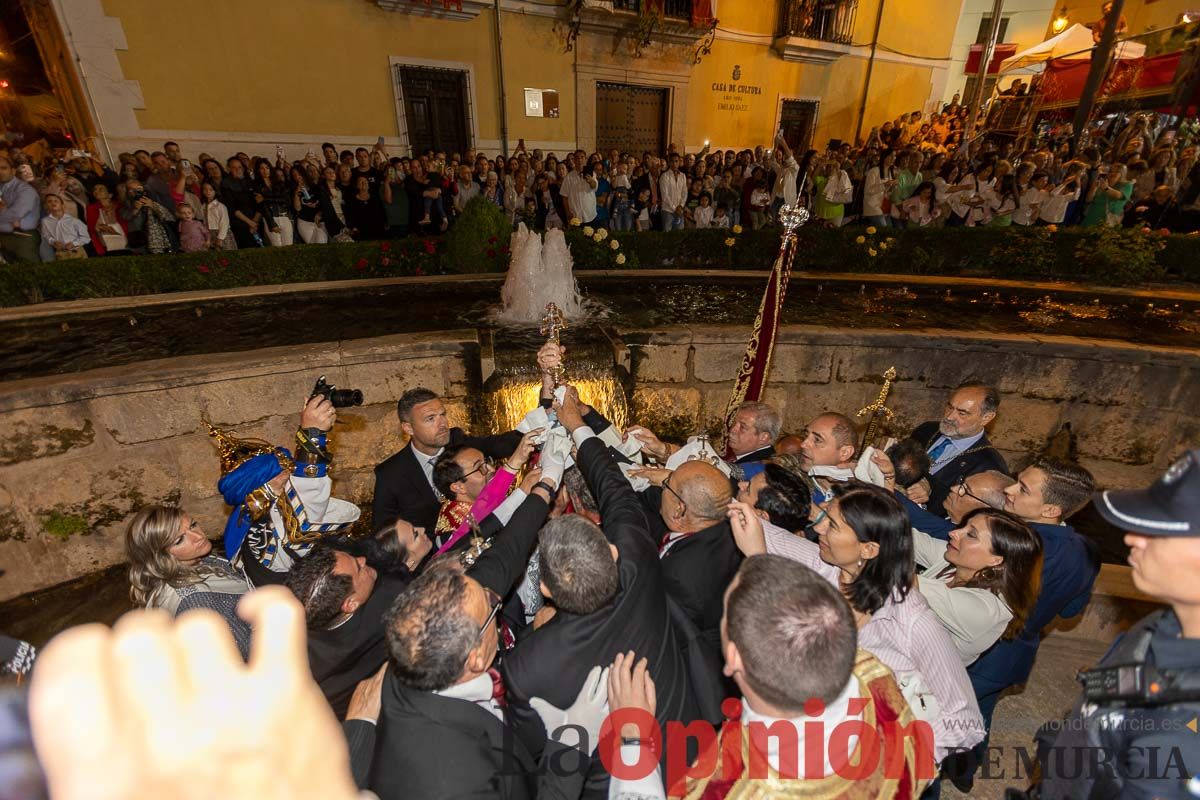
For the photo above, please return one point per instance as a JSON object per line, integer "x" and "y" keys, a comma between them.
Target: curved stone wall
{"x": 81, "y": 451}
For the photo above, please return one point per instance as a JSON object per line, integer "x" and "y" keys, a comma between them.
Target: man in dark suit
{"x": 753, "y": 432}
{"x": 444, "y": 725}
{"x": 750, "y": 438}
{"x": 958, "y": 445}
{"x": 608, "y": 590}
{"x": 695, "y": 543}
{"x": 404, "y": 482}
{"x": 344, "y": 604}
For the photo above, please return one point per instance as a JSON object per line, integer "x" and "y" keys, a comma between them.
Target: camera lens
{"x": 345, "y": 398}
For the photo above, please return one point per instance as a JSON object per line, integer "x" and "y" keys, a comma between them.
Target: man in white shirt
{"x": 673, "y": 190}
{"x": 579, "y": 189}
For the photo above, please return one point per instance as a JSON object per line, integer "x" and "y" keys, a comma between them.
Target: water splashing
{"x": 540, "y": 273}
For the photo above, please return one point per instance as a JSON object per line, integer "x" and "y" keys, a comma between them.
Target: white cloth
{"x": 696, "y": 450}
{"x": 64, "y": 230}
{"x": 974, "y": 618}
{"x": 478, "y": 690}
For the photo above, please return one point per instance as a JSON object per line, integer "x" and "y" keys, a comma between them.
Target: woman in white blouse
{"x": 984, "y": 582}
{"x": 864, "y": 548}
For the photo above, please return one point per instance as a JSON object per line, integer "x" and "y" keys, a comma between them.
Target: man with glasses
{"x": 476, "y": 489}
{"x": 445, "y": 729}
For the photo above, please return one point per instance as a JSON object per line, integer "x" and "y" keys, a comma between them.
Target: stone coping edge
{"x": 219, "y": 367}
{"x": 129, "y": 302}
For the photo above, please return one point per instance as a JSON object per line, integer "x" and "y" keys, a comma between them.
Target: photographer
{"x": 148, "y": 221}
{"x": 1129, "y": 735}
{"x": 282, "y": 505}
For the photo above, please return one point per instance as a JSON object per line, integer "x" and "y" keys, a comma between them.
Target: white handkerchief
{"x": 867, "y": 471}
{"x": 695, "y": 450}
{"x": 638, "y": 484}
{"x": 557, "y": 440}
{"x": 538, "y": 418}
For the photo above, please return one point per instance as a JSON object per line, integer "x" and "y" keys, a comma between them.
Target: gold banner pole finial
{"x": 553, "y": 324}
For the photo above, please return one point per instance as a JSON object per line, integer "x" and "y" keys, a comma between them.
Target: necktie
{"x": 498, "y": 693}
{"x": 940, "y": 448}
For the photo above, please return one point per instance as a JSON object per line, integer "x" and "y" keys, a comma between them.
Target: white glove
{"x": 555, "y": 453}
{"x": 588, "y": 712}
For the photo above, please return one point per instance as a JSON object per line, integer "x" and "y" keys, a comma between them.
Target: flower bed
{"x": 1092, "y": 255}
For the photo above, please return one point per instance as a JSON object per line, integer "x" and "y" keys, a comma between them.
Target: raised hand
{"x": 747, "y": 529}
{"x": 159, "y": 707}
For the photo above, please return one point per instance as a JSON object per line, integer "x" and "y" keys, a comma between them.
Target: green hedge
{"x": 1093, "y": 255}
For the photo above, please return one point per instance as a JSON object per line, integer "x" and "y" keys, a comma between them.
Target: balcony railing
{"x": 672, "y": 9}
{"x": 822, "y": 20}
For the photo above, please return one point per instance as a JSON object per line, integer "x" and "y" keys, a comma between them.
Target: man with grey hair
{"x": 607, "y": 586}
{"x": 753, "y": 432}
{"x": 751, "y": 435}
{"x": 957, "y": 444}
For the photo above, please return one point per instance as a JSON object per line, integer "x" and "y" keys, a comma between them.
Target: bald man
{"x": 699, "y": 556}
{"x": 827, "y": 454}
{"x": 981, "y": 490}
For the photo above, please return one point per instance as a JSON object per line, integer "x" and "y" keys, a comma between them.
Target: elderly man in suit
{"x": 958, "y": 445}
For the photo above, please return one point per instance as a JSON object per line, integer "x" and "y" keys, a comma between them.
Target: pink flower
{"x": 224, "y": 262}
{"x": 491, "y": 240}
{"x": 430, "y": 246}
{"x": 385, "y": 246}
{"x": 491, "y": 253}
{"x": 418, "y": 271}
{"x": 385, "y": 261}
{"x": 204, "y": 268}
{"x": 361, "y": 264}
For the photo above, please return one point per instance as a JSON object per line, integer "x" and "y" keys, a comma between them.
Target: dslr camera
{"x": 339, "y": 398}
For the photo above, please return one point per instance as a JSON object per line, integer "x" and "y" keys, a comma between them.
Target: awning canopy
{"x": 1073, "y": 43}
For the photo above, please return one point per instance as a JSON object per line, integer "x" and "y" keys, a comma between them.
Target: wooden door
{"x": 435, "y": 108}
{"x": 797, "y": 120}
{"x": 631, "y": 118}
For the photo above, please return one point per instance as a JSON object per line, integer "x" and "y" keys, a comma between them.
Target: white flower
{"x": 587, "y": 230}
{"x": 614, "y": 244}
{"x": 620, "y": 258}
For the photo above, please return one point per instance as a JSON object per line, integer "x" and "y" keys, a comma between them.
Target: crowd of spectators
{"x": 914, "y": 171}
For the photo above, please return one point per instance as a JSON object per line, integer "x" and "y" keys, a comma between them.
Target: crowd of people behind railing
{"x": 1139, "y": 172}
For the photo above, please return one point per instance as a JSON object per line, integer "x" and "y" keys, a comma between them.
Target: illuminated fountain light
{"x": 517, "y": 393}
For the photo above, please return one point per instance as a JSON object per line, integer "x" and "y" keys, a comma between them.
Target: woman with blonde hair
{"x": 172, "y": 566}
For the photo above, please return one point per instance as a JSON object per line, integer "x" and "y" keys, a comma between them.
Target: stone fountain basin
{"x": 85, "y": 447}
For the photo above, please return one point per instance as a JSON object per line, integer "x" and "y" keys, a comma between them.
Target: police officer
{"x": 1134, "y": 733}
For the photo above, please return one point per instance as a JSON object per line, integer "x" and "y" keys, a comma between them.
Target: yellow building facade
{"x": 227, "y": 75}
